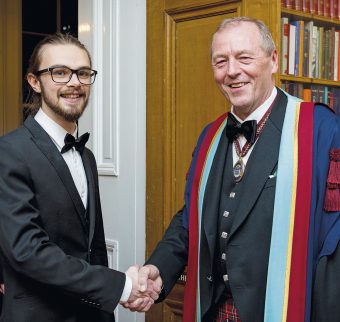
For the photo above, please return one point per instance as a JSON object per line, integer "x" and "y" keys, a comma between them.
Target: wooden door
{"x": 182, "y": 97}
{"x": 10, "y": 65}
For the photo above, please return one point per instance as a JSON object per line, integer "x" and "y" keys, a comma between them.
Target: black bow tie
{"x": 78, "y": 144}
{"x": 235, "y": 128}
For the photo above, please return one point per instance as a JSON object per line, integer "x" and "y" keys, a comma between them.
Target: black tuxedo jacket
{"x": 248, "y": 243}
{"x": 54, "y": 262}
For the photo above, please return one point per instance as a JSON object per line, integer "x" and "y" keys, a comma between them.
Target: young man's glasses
{"x": 63, "y": 74}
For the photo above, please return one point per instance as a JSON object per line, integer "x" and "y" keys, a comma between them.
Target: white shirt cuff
{"x": 127, "y": 289}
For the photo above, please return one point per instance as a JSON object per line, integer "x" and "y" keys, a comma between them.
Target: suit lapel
{"x": 48, "y": 148}
{"x": 91, "y": 209}
{"x": 262, "y": 161}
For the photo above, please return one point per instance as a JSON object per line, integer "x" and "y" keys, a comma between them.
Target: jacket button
{"x": 226, "y": 214}
{"x": 224, "y": 234}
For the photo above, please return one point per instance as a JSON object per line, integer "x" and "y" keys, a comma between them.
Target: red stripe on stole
{"x": 189, "y": 314}
{"x": 298, "y": 273}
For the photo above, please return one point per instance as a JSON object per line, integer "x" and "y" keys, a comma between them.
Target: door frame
{"x": 10, "y": 65}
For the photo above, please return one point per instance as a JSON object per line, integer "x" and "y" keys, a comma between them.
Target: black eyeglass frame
{"x": 73, "y": 71}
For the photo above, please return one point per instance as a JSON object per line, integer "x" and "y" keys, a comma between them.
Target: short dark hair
{"x": 33, "y": 100}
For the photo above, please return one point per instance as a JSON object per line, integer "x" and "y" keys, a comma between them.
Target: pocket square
{"x": 271, "y": 176}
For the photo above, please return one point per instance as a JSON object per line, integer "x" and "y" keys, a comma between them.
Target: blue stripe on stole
{"x": 204, "y": 178}
{"x": 281, "y": 218}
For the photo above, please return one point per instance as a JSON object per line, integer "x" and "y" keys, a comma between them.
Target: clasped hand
{"x": 146, "y": 287}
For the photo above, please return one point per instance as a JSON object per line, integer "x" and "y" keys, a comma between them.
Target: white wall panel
{"x": 115, "y": 33}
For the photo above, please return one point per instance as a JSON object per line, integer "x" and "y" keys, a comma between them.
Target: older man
{"x": 260, "y": 227}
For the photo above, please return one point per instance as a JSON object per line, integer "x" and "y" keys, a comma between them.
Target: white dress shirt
{"x": 256, "y": 115}
{"x": 72, "y": 157}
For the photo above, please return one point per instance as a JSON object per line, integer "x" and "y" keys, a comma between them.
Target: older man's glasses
{"x": 63, "y": 74}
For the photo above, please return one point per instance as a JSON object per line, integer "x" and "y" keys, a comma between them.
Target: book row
{"x": 308, "y": 50}
{"x": 314, "y": 93}
{"x": 326, "y": 8}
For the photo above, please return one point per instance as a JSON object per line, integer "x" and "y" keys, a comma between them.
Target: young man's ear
{"x": 34, "y": 82}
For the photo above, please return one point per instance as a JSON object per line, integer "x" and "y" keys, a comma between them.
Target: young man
{"x": 52, "y": 244}
{"x": 260, "y": 228}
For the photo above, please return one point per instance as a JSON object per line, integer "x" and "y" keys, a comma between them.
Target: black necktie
{"x": 78, "y": 144}
{"x": 235, "y": 128}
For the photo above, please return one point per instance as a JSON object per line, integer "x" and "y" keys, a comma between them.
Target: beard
{"x": 67, "y": 112}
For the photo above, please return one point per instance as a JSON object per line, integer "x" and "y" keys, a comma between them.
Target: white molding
{"x": 106, "y": 91}
{"x": 112, "y": 257}
{"x": 112, "y": 253}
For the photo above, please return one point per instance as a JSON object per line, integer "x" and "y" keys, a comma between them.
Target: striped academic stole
{"x": 289, "y": 278}
{"x": 194, "y": 193}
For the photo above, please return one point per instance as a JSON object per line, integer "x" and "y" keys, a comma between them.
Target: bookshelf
{"x": 309, "y": 50}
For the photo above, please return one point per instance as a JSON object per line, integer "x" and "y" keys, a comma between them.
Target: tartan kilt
{"x": 227, "y": 312}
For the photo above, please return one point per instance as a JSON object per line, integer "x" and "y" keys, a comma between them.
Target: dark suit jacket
{"x": 249, "y": 239}
{"x": 54, "y": 263}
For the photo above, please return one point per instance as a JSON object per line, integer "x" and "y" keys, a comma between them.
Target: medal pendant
{"x": 238, "y": 170}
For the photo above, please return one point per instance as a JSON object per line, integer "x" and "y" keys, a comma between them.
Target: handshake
{"x": 146, "y": 287}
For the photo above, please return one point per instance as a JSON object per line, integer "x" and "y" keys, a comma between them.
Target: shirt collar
{"x": 261, "y": 110}
{"x": 54, "y": 130}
